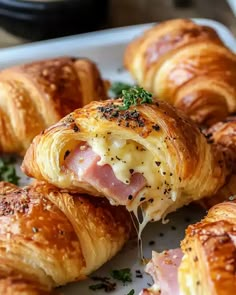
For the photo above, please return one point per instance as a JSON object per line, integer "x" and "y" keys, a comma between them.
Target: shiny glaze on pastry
{"x": 150, "y": 154}
{"x": 187, "y": 65}
{"x": 49, "y": 238}
{"x": 35, "y": 95}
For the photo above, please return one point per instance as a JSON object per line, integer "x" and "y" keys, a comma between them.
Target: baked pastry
{"x": 49, "y": 237}
{"x": 223, "y": 136}
{"x": 209, "y": 246}
{"x": 206, "y": 262}
{"x": 16, "y": 285}
{"x": 35, "y": 95}
{"x": 149, "y": 155}
{"x": 187, "y": 65}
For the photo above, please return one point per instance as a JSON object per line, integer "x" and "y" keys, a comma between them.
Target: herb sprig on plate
{"x": 8, "y": 171}
{"x": 124, "y": 275}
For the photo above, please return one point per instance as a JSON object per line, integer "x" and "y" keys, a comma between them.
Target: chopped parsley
{"x": 117, "y": 87}
{"x": 123, "y": 275}
{"x": 134, "y": 96}
{"x": 104, "y": 283}
{"x": 107, "y": 287}
{"x": 131, "y": 292}
{"x": 8, "y": 171}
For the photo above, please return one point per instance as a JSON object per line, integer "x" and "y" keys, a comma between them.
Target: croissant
{"x": 187, "y": 65}
{"x": 149, "y": 156}
{"x": 49, "y": 237}
{"x": 206, "y": 262}
{"x": 208, "y": 265}
{"x": 34, "y": 96}
{"x": 223, "y": 136}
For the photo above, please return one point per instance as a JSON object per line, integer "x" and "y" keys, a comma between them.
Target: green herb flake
{"x": 8, "y": 171}
{"x": 131, "y": 292}
{"x": 106, "y": 286}
{"x": 134, "y": 96}
{"x": 117, "y": 87}
{"x": 123, "y": 275}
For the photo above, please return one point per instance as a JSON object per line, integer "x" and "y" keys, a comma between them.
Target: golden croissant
{"x": 149, "y": 155}
{"x": 187, "y": 65}
{"x": 49, "y": 237}
{"x": 223, "y": 136}
{"x": 35, "y": 95}
{"x": 206, "y": 262}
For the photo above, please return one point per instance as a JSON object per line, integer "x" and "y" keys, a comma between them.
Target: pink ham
{"x": 83, "y": 162}
{"x": 164, "y": 270}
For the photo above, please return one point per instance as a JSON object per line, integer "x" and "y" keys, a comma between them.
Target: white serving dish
{"x": 106, "y": 49}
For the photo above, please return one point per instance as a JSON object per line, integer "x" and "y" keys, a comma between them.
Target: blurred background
{"x": 27, "y": 21}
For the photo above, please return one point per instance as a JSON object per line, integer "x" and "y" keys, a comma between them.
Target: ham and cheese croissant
{"x": 187, "y": 65}
{"x": 209, "y": 247}
{"x": 206, "y": 262}
{"x": 34, "y": 96}
{"x": 149, "y": 155}
{"x": 49, "y": 237}
{"x": 223, "y": 136}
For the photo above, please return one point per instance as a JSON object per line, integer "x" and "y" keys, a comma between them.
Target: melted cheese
{"x": 127, "y": 157}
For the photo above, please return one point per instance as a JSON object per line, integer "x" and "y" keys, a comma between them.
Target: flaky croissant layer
{"x": 49, "y": 237}
{"x": 35, "y": 95}
{"x": 149, "y": 155}
{"x": 187, "y": 65}
{"x": 209, "y": 262}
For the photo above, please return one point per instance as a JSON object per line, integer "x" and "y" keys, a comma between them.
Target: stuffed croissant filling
{"x": 147, "y": 155}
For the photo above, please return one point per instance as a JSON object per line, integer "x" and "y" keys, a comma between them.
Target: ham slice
{"x": 83, "y": 162}
{"x": 164, "y": 270}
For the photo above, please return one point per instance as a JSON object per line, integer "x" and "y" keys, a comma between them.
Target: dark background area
{"x": 24, "y": 26}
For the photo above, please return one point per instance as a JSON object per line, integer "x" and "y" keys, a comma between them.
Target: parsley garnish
{"x": 123, "y": 275}
{"x": 8, "y": 171}
{"x": 104, "y": 284}
{"x": 134, "y": 96}
{"x": 131, "y": 292}
{"x": 117, "y": 87}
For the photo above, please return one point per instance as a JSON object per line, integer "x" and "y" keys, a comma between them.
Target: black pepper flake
{"x": 66, "y": 154}
{"x": 35, "y": 229}
{"x": 198, "y": 283}
{"x": 151, "y": 243}
{"x": 130, "y": 197}
{"x": 161, "y": 234}
{"x": 150, "y": 200}
{"x": 156, "y": 127}
{"x": 180, "y": 179}
{"x": 195, "y": 259}
{"x": 131, "y": 171}
{"x": 171, "y": 174}
{"x": 158, "y": 163}
{"x": 164, "y": 173}
{"x": 142, "y": 199}
{"x": 76, "y": 128}
{"x": 118, "y": 158}
{"x": 173, "y": 227}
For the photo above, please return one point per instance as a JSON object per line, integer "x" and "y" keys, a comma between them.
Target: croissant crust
{"x": 36, "y": 95}
{"x": 49, "y": 237}
{"x": 187, "y": 65}
{"x": 209, "y": 262}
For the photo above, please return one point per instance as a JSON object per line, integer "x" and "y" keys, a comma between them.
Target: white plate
{"x": 106, "y": 48}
